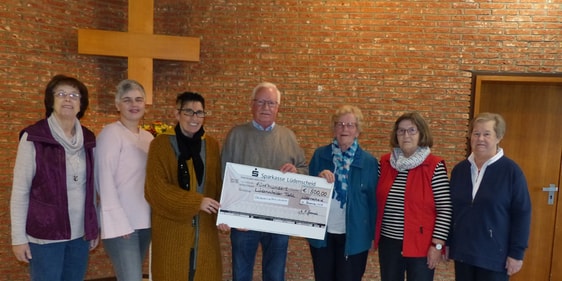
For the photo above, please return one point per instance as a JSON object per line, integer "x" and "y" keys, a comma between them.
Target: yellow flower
{"x": 157, "y": 128}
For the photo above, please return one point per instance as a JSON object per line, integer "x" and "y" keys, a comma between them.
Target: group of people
{"x": 480, "y": 218}
{"x": 134, "y": 192}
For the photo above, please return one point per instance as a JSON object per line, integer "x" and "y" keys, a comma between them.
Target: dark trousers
{"x": 331, "y": 263}
{"x": 467, "y": 272}
{"x": 394, "y": 266}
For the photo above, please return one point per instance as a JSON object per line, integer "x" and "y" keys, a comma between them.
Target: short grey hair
{"x": 266, "y": 85}
{"x": 126, "y": 86}
{"x": 345, "y": 109}
{"x": 499, "y": 122}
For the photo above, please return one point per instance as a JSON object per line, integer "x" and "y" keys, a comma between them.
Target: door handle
{"x": 551, "y": 189}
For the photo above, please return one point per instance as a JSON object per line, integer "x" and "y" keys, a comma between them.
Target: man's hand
{"x": 288, "y": 168}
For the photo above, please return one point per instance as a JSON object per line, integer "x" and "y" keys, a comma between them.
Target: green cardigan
{"x": 173, "y": 210}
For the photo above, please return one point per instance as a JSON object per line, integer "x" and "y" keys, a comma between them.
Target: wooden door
{"x": 532, "y": 108}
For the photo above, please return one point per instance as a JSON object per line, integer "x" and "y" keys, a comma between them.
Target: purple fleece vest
{"x": 48, "y": 217}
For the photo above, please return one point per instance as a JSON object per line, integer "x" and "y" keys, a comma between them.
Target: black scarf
{"x": 190, "y": 148}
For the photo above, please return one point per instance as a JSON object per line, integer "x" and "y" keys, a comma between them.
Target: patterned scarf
{"x": 402, "y": 163}
{"x": 342, "y": 162}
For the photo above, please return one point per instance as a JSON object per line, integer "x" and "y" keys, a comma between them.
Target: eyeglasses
{"x": 190, "y": 112}
{"x": 72, "y": 96}
{"x": 270, "y": 103}
{"x": 411, "y": 131}
{"x": 348, "y": 125}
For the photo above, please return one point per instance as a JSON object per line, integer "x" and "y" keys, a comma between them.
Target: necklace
{"x": 74, "y": 161}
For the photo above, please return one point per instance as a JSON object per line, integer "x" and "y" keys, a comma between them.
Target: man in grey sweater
{"x": 262, "y": 143}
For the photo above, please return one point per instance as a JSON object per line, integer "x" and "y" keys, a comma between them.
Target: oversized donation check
{"x": 271, "y": 201}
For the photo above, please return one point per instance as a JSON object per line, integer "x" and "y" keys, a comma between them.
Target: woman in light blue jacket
{"x": 342, "y": 254}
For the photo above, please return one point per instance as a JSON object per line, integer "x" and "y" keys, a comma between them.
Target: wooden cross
{"x": 140, "y": 45}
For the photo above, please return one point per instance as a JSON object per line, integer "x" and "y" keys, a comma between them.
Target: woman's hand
{"x": 433, "y": 257}
{"x": 94, "y": 243}
{"x": 328, "y": 175}
{"x": 22, "y": 252}
{"x": 209, "y": 205}
{"x": 513, "y": 266}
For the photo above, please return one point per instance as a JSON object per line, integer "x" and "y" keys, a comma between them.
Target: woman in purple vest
{"x": 53, "y": 213}
{"x": 414, "y": 203}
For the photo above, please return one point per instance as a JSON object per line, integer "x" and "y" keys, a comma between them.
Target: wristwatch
{"x": 437, "y": 246}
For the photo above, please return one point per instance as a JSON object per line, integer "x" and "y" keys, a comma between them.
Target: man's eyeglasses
{"x": 348, "y": 125}
{"x": 411, "y": 131}
{"x": 270, "y": 103}
{"x": 190, "y": 112}
{"x": 63, "y": 95}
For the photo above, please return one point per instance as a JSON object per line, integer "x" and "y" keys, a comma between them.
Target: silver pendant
{"x": 75, "y": 178}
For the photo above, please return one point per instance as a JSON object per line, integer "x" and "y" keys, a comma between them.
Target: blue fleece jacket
{"x": 361, "y": 205}
{"x": 496, "y": 223}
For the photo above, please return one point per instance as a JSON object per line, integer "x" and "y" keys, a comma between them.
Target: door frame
{"x": 479, "y": 77}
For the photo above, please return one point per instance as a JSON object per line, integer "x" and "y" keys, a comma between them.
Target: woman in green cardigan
{"x": 183, "y": 182}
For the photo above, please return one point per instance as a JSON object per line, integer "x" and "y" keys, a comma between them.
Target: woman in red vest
{"x": 414, "y": 203}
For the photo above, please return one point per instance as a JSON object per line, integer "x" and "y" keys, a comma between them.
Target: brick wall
{"x": 387, "y": 57}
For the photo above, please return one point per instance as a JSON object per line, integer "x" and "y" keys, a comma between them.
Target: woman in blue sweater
{"x": 492, "y": 207}
{"x": 342, "y": 254}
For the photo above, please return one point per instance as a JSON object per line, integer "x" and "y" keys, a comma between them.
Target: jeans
{"x": 127, "y": 254}
{"x": 244, "y": 248}
{"x": 60, "y": 261}
{"x": 467, "y": 272}
{"x": 393, "y": 265}
{"x": 331, "y": 263}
